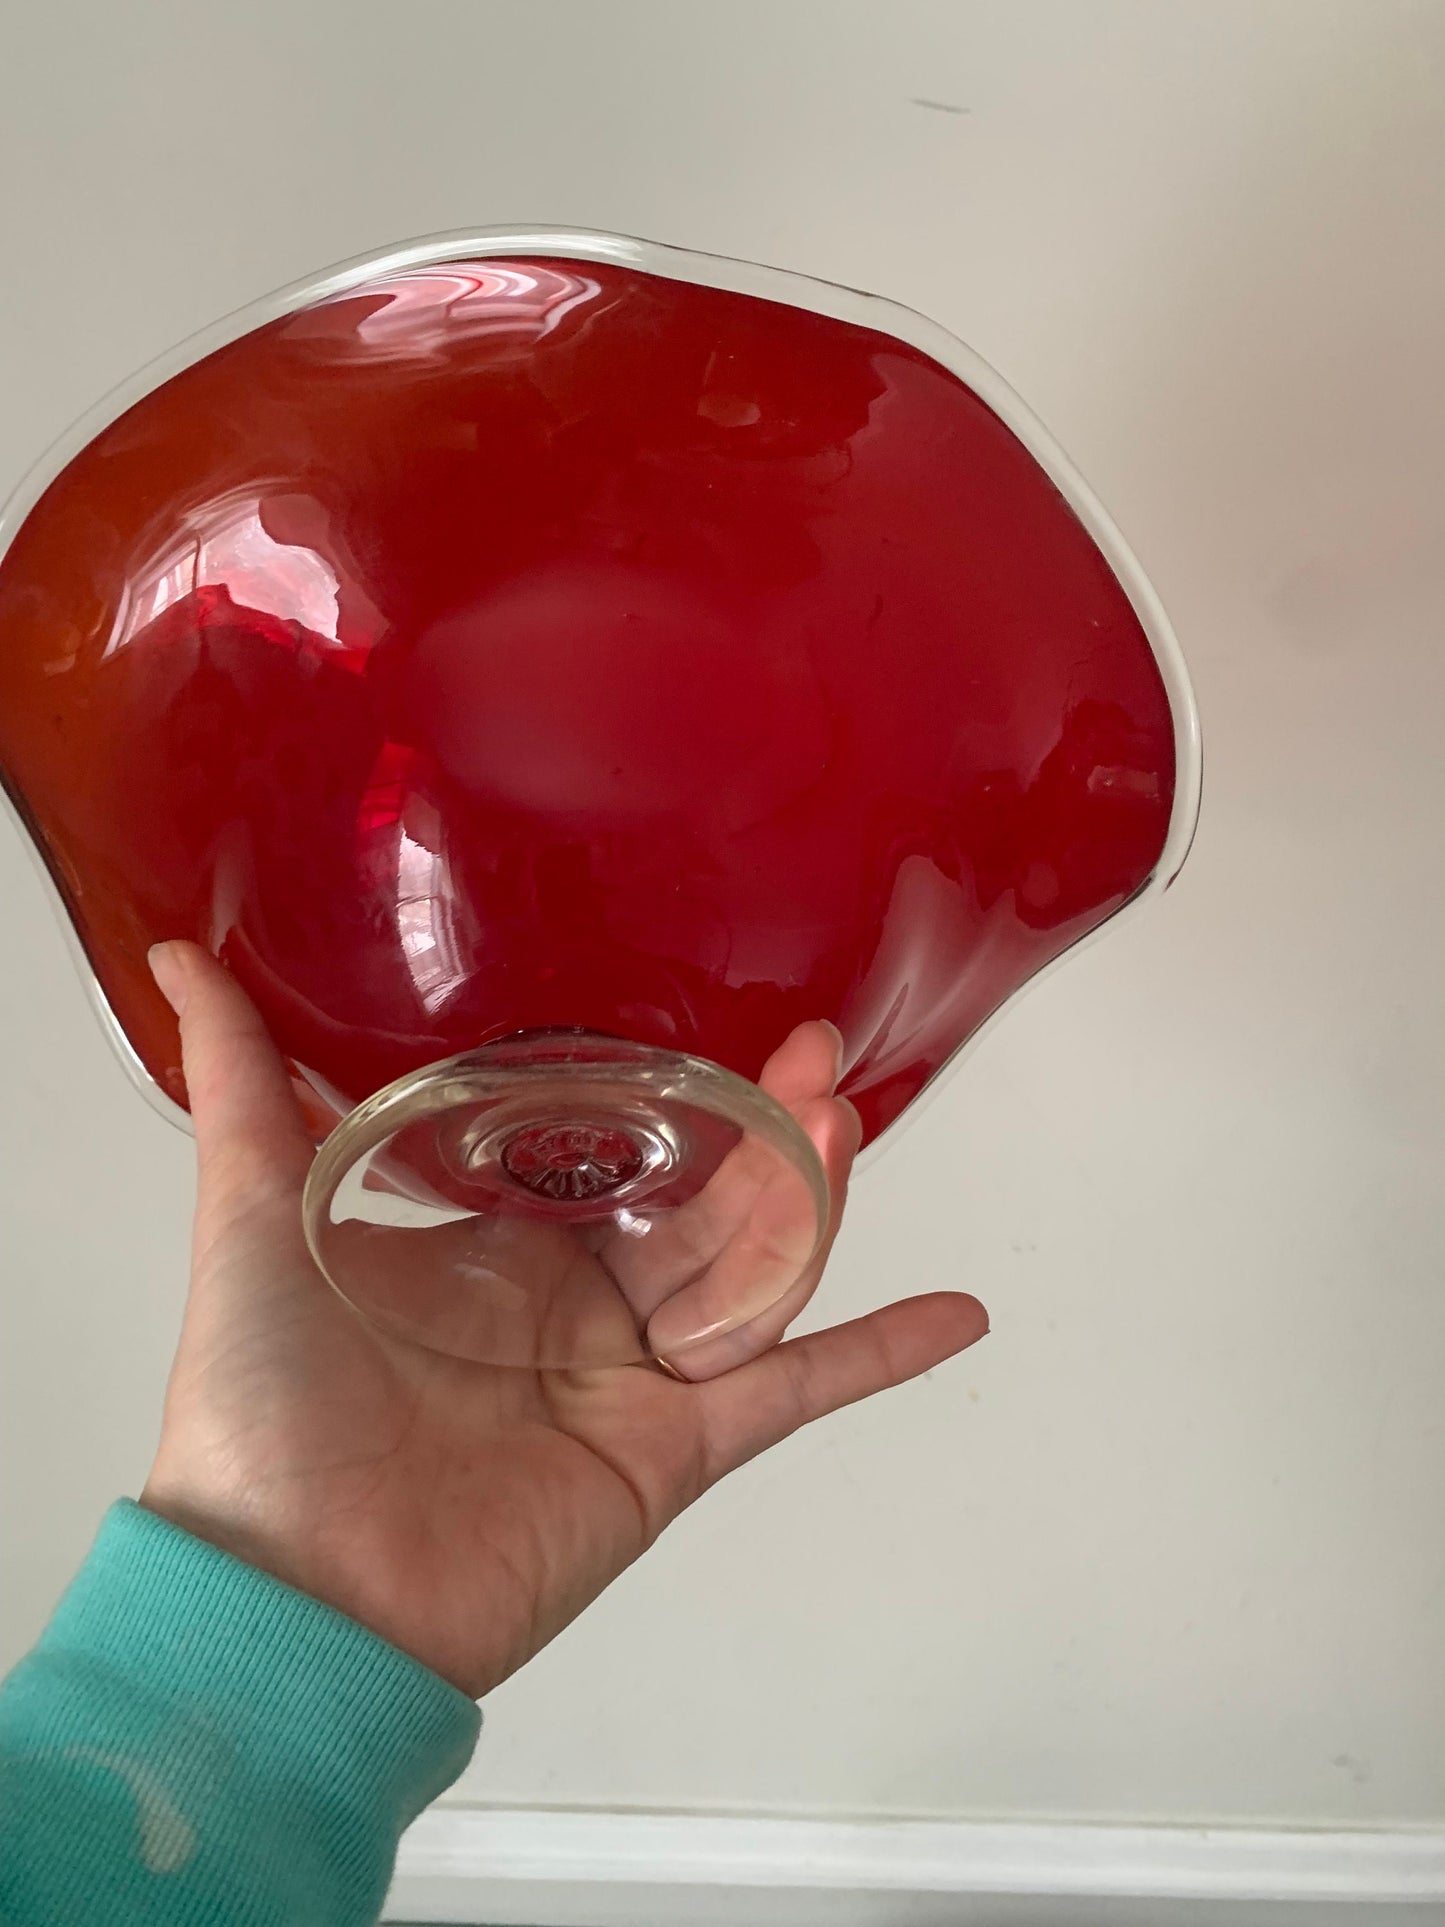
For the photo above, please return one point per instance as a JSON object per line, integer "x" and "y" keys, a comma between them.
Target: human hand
{"x": 464, "y": 1512}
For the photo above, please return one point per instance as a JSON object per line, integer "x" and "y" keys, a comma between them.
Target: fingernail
{"x": 838, "y": 1047}
{"x": 168, "y": 967}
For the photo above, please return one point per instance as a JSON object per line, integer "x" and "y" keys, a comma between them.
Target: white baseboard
{"x": 594, "y": 1869}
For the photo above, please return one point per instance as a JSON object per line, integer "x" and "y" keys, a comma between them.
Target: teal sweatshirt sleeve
{"x": 195, "y": 1744}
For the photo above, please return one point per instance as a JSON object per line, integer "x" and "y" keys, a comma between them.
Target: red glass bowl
{"x": 548, "y": 667}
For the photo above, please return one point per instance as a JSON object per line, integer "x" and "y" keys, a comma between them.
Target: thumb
{"x": 250, "y": 1134}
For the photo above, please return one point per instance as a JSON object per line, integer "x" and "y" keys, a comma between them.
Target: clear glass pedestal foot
{"x": 562, "y": 1200}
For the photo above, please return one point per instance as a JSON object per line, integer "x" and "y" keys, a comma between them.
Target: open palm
{"x": 465, "y": 1512}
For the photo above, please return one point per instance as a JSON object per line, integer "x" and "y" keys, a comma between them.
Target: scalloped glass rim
{"x": 782, "y": 285}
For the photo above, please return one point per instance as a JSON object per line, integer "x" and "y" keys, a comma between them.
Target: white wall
{"x": 1171, "y": 1544}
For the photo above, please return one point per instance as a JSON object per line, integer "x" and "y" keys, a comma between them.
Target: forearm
{"x": 194, "y": 1744}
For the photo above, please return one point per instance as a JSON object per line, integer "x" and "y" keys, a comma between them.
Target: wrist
{"x": 353, "y": 1582}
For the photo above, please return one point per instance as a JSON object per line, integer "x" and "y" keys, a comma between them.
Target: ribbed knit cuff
{"x": 259, "y": 1736}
